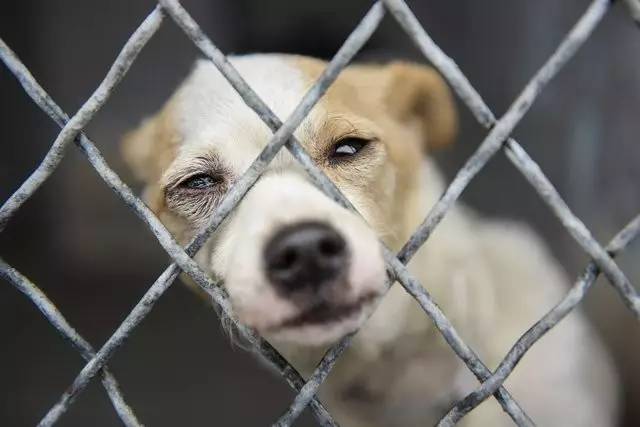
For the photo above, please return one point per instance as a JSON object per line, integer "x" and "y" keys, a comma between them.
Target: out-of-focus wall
{"x": 95, "y": 259}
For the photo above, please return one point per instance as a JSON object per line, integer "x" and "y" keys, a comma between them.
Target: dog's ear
{"x": 418, "y": 94}
{"x": 149, "y": 149}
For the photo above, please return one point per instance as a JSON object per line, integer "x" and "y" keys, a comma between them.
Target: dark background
{"x": 95, "y": 259}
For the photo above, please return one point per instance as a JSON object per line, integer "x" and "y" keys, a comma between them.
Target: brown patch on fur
{"x": 417, "y": 92}
{"x": 149, "y": 149}
{"x": 407, "y": 108}
{"x": 410, "y": 93}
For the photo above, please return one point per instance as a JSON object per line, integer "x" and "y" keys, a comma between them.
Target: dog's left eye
{"x": 199, "y": 182}
{"x": 348, "y": 147}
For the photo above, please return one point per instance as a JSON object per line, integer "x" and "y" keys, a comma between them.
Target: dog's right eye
{"x": 199, "y": 182}
{"x": 347, "y": 147}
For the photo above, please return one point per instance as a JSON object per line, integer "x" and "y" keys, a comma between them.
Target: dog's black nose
{"x": 305, "y": 255}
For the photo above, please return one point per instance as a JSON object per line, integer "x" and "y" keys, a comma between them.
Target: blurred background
{"x": 95, "y": 259}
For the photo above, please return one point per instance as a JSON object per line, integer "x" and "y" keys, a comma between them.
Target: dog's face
{"x": 297, "y": 266}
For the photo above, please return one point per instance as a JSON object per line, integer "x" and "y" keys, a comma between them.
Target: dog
{"x": 303, "y": 271}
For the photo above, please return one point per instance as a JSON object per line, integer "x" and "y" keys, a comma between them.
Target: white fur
{"x": 223, "y": 124}
{"x": 493, "y": 279}
{"x": 226, "y": 122}
{"x": 293, "y": 199}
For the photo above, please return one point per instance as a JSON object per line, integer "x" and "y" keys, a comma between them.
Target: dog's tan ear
{"x": 149, "y": 149}
{"x": 417, "y": 93}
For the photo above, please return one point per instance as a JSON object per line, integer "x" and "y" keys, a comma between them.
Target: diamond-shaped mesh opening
{"x": 497, "y": 139}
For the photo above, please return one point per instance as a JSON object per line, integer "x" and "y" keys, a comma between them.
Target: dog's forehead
{"x": 211, "y": 115}
{"x": 207, "y": 102}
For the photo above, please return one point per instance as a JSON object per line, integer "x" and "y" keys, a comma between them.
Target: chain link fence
{"x": 497, "y": 139}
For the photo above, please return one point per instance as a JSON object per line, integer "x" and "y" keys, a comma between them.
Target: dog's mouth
{"x": 325, "y": 313}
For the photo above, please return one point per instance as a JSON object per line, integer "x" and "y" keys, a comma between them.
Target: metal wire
{"x": 52, "y": 159}
{"x": 467, "y": 355}
{"x": 58, "y": 321}
{"x": 115, "y": 183}
{"x": 499, "y": 133}
{"x": 498, "y": 137}
{"x": 578, "y": 291}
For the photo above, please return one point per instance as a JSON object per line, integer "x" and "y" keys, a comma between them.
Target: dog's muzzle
{"x": 298, "y": 267}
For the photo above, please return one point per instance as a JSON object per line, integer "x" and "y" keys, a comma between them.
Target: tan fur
{"x": 149, "y": 150}
{"x": 493, "y": 279}
{"x": 411, "y": 108}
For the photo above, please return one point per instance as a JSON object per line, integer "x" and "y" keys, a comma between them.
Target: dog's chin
{"x": 322, "y": 324}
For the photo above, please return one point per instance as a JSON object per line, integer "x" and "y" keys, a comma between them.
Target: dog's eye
{"x": 347, "y": 147}
{"x": 199, "y": 182}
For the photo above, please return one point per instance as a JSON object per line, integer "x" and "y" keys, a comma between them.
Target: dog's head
{"x": 297, "y": 266}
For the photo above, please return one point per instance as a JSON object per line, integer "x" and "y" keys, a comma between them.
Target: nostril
{"x": 286, "y": 260}
{"x": 331, "y": 246}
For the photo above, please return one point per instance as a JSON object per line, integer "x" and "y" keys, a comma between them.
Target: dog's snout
{"x": 305, "y": 255}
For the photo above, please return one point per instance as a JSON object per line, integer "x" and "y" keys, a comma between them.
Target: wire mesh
{"x": 496, "y": 140}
